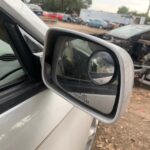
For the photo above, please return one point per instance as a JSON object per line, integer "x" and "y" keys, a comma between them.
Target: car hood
{"x": 25, "y": 18}
{"x": 129, "y": 31}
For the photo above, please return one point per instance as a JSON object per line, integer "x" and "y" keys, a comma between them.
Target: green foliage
{"x": 135, "y": 13}
{"x": 123, "y": 10}
{"x": 68, "y": 6}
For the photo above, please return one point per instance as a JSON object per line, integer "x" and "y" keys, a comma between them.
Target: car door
{"x": 31, "y": 114}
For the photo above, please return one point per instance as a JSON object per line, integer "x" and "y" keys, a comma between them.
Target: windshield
{"x": 129, "y": 31}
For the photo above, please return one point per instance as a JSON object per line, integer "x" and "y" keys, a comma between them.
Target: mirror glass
{"x": 85, "y": 71}
{"x": 101, "y": 67}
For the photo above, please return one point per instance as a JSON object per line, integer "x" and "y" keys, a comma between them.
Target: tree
{"x": 37, "y": 1}
{"x": 68, "y": 6}
{"x": 135, "y": 13}
{"x": 123, "y": 10}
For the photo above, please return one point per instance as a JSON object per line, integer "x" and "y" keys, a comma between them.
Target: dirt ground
{"x": 132, "y": 131}
{"x": 81, "y": 28}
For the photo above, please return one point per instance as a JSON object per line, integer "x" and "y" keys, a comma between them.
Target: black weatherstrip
{"x": 30, "y": 63}
{"x": 29, "y": 85}
{"x": 17, "y": 94}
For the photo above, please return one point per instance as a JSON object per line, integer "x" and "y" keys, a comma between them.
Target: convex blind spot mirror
{"x": 89, "y": 72}
{"x": 101, "y": 67}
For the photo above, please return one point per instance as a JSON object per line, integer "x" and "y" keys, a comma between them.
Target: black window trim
{"x": 24, "y": 33}
{"x": 19, "y": 93}
{"x": 23, "y": 88}
{"x": 30, "y": 63}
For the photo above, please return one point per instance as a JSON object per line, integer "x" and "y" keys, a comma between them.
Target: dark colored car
{"x": 70, "y": 19}
{"x": 65, "y": 18}
{"x": 79, "y": 20}
{"x": 136, "y": 40}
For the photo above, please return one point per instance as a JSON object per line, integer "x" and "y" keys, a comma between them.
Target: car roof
{"x": 25, "y": 18}
{"x": 129, "y": 31}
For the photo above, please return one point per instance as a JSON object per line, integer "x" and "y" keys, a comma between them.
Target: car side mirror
{"x": 92, "y": 74}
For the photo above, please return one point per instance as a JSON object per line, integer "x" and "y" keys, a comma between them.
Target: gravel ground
{"x": 132, "y": 131}
{"x": 81, "y": 28}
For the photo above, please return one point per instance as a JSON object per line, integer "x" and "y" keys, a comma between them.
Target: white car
{"x": 61, "y": 117}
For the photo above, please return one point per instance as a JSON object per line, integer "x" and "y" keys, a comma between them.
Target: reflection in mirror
{"x": 73, "y": 75}
{"x": 101, "y": 67}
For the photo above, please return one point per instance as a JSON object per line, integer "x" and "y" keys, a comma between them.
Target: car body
{"x": 36, "y": 9}
{"x": 96, "y": 23}
{"x": 37, "y": 118}
{"x": 110, "y": 25}
{"x": 69, "y": 19}
{"x": 51, "y": 15}
{"x": 79, "y": 20}
{"x": 136, "y": 40}
{"x": 65, "y": 18}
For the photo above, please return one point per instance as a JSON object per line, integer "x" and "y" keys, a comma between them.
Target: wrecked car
{"x": 136, "y": 40}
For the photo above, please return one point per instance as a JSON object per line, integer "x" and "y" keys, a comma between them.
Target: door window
{"x": 10, "y": 68}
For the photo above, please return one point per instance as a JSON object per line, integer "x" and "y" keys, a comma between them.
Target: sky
{"x": 113, "y": 5}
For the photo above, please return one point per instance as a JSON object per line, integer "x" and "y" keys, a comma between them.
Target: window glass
{"x": 10, "y": 68}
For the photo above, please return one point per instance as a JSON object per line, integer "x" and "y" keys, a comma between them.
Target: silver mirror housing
{"x": 65, "y": 69}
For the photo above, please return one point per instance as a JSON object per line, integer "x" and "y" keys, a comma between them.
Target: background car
{"x": 65, "y": 18}
{"x": 96, "y": 23}
{"x": 110, "y": 25}
{"x": 79, "y": 20}
{"x": 52, "y": 15}
{"x": 136, "y": 40}
{"x": 36, "y": 9}
{"x": 71, "y": 19}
